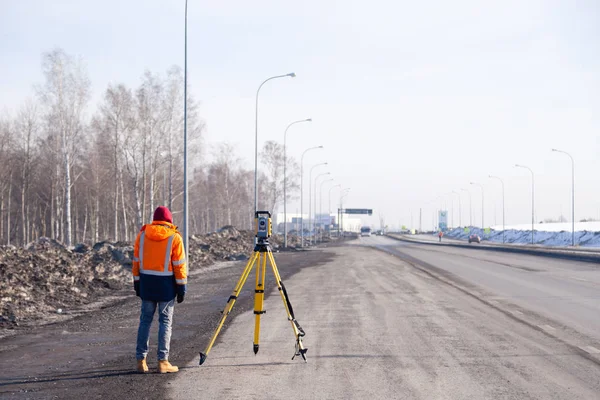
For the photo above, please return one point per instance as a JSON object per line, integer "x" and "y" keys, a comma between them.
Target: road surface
{"x": 383, "y": 319}
{"x": 381, "y": 327}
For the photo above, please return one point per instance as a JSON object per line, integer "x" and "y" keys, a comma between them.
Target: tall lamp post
{"x": 285, "y": 179}
{"x": 451, "y": 208}
{"x": 310, "y": 195}
{"x": 185, "y": 153}
{"x": 321, "y": 202}
{"x": 302, "y": 193}
{"x": 343, "y": 193}
{"x": 470, "y": 206}
{"x": 572, "y": 195}
{"x": 503, "y": 221}
{"x": 532, "y": 199}
{"x": 291, "y": 75}
{"x": 315, "y": 201}
{"x": 482, "y": 219}
{"x": 459, "y": 208}
{"x": 329, "y": 208}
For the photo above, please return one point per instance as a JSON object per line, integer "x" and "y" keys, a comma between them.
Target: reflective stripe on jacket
{"x": 159, "y": 262}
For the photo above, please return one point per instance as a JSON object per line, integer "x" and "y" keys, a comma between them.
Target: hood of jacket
{"x": 159, "y": 230}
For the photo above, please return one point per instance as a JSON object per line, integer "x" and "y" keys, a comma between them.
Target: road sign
{"x": 358, "y": 211}
{"x": 443, "y": 220}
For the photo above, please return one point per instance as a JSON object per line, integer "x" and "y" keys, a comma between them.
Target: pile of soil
{"x": 45, "y": 278}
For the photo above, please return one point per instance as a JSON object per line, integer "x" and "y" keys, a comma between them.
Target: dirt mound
{"x": 46, "y": 278}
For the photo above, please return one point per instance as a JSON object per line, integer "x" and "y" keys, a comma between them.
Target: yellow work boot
{"x": 164, "y": 366}
{"x": 142, "y": 367}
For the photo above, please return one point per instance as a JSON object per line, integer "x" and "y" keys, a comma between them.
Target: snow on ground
{"x": 587, "y": 234}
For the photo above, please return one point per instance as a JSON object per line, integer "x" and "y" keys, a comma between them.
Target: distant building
{"x": 348, "y": 222}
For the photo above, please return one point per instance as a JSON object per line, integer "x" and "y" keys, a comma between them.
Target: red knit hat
{"x": 162, "y": 213}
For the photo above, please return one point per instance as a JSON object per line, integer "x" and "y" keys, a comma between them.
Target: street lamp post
{"x": 315, "y": 203}
{"x": 572, "y": 195}
{"x": 482, "y": 219}
{"x": 310, "y": 195}
{"x": 452, "y": 208}
{"x": 185, "y": 153}
{"x": 532, "y": 199}
{"x": 329, "y": 208}
{"x": 459, "y": 208}
{"x": 321, "y": 202}
{"x": 285, "y": 179}
{"x": 503, "y": 221}
{"x": 302, "y": 193}
{"x": 470, "y": 206}
{"x": 343, "y": 193}
{"x": 291, "y": 75}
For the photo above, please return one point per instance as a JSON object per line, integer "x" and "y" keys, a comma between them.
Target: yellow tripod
{"x": 262, "y": 253}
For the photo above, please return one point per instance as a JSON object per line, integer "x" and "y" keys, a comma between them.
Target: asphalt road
{"x": 393, "y": 326}
{"x": 383, "y": 319}
{"x": 567, "y": 292}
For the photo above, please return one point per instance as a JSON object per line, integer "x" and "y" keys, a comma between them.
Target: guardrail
{"x": 587, "y": 255}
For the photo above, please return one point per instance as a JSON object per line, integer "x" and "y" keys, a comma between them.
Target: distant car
{"x": 474, "y": 238}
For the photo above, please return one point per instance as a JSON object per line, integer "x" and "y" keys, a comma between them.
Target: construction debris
{"x": 46, "y": 278}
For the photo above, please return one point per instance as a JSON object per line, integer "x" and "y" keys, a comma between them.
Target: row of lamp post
{"x": 185, "y": 158}
{"x": 532, "y": 200}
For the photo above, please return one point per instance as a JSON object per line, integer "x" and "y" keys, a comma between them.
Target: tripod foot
{"x": 255, "y": 348}
{"x": 300, "y": 351}
{"x": 202, "y": 358}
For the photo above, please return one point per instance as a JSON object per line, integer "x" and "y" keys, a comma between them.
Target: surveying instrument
{"x": 262, "y": 253}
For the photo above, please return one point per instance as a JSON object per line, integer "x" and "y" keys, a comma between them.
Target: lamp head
{"x": 291, "y": 75}
{"x": 308, "y": 119}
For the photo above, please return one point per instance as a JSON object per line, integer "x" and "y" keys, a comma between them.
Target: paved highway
{"x": 386, "y": 319}
{"x": 567, "y": 292}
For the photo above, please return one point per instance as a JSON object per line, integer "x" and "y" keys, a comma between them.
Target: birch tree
{"x": 65, "y": 95}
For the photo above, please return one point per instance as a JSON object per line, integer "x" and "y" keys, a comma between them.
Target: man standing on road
{"x": 440, "y": 234}
{"x": 159, "y": 275}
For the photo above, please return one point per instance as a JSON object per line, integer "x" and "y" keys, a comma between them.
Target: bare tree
{"x": 65, "y": 95}
{"x": 5, "y": 175}
{"x": 28, "y": 130}
{"x": 272, "y": 183}
{"x": 116, "y": 120}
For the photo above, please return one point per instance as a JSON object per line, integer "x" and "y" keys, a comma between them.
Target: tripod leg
{"x": 259, "y": 296}
{"x": 298, "y": 331}
{"x": 230, "y": 303}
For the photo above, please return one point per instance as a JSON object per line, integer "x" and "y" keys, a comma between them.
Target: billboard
{"x": 366, "y": 211}
{"x": 324, "y": 219}
{"x": 443, "y": 220}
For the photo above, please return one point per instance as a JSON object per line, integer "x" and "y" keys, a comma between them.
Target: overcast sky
{"x": 411, "y": 99}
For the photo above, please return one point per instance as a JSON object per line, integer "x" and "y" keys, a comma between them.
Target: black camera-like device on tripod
{"x": 264, "y": 227}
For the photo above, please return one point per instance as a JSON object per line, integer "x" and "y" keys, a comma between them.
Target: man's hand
{"x": 180, "y": 293}
{"x": 136, "y": 287}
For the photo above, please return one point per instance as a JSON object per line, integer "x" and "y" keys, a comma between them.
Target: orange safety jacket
{"x": 159, "y": 262}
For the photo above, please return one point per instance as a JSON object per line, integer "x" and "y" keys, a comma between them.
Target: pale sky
{"x": 411, "y": 99}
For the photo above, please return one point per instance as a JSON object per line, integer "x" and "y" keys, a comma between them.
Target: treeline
{"x": 81, "y": 175}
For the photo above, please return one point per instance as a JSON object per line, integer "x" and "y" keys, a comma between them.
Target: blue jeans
{"x": 165, "y": 319}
